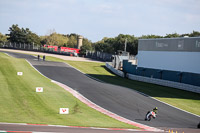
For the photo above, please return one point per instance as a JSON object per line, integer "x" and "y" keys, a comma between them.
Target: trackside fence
{"x": 31, "y": 47}
{"x": 152, "y": 80}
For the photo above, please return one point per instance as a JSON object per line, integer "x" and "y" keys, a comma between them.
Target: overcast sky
{"x": 95, "y": 19}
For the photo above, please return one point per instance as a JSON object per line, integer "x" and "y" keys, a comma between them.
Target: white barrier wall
{"x": 115, "y": 71}
{"x": 172, "y": 84}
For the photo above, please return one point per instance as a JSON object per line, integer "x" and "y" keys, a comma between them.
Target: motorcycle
{"x": 150, "y": 115}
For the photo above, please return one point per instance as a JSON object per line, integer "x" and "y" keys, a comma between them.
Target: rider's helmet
{"x": 155, "y": 109}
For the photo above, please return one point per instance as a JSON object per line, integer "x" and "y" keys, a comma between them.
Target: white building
{"x": 175, "y": 54}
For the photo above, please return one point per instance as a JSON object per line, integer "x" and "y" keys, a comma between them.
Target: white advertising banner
{"x": 64, "y": 110}
{"x": 20, "y": 73}
{"x": 39, "y": 89}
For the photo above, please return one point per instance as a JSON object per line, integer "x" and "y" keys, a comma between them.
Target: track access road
{"x": 120, "y": 100}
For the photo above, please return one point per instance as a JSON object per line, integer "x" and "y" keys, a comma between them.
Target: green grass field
{"x": 19, "y": 103}
{"x": 182, "y": 99}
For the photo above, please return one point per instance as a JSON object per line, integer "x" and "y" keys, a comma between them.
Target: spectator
{"x": 38, "y": 57}
{"x": 43, "y": 57}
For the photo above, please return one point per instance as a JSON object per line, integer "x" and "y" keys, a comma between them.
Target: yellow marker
{"x": 172, "y": 131}
{"x": 176, "y": 131}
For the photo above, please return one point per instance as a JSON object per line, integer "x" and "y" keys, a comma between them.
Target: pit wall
{"x": 175, "y": 79}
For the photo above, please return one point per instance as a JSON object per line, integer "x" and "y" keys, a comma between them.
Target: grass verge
{"x": 21, "y": 104}
{"x": 185, "y": 100}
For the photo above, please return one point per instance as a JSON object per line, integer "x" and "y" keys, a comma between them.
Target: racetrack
{"x": 24, "y": 128}
{"x": 120, "y": 100}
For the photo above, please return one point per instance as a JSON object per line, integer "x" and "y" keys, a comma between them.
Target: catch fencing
{"x": 31, "y": 47}
{"x": 97, "y": 55}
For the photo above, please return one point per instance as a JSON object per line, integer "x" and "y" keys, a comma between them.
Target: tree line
{"x": 108, "y": 45}
{"x": 112, "y": 45}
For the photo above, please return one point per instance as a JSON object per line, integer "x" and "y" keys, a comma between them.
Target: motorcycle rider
{"x": 155, "y": 110}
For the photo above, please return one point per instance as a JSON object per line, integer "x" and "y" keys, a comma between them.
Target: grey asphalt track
{"x": 46, "y": 129}
{"x": 120, "y": 100}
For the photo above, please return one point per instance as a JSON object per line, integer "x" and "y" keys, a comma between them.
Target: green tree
{"x": 174, "y": 35}
{"x": 31, "y": 37}
{"x": 21, "y": 35}
{"x": 43, "y": 40}
{"x": 35, "y": 39}
{"x": 84, "y": 48}
{"x": 72, "y": 43}
{"x": 87, "y": 45}
{"x": 132, "y": 43}
{"x": 3, "y": 39}
{"x": 150, "y": 36}
{"x": 194, "y": 34}
{"x": 16, "y": 35}
{"x": 105, "y": 45}
{"x": 55, "y": 39}
{"x": 112, "y": 45}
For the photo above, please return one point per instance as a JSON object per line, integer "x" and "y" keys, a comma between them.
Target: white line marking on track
{"x": 8, "y": 55}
